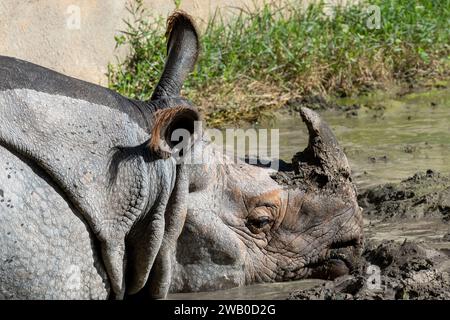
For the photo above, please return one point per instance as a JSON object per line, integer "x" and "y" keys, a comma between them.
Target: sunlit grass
{"x": 256, "y": 61}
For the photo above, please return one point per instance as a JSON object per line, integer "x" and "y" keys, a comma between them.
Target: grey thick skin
{"x": 93, "y": 206}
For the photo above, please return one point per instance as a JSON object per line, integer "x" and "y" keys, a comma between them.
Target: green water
{"x": 390, "y": 138}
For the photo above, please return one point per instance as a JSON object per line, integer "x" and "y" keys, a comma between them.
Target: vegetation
{"x": 256, "y": 61}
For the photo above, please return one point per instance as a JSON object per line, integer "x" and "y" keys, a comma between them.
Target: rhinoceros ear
{"x": 171, "y": 125}
{"x": 146, "y": 253}
{"x": 182, "y": 52}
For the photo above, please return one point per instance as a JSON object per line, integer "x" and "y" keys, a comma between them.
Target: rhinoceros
{"x": 94, "y": 204}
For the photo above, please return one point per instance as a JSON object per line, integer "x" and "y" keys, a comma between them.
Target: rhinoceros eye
{"x": 259, "y": 220}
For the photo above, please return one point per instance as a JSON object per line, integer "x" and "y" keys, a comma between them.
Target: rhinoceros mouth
{"x": 340, "y": 259}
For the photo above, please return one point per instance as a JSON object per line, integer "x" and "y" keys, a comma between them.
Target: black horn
{"x": 182, "y": 52}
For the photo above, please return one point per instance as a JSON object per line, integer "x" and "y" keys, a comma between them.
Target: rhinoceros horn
{"x": 323, "y": 159}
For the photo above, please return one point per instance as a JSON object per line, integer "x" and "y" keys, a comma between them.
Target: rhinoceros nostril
{"x": 321, "y": 180}
{"x": 354, "y": 242}
{"x": 221, "y": 257}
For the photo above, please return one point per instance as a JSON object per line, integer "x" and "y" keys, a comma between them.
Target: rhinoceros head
{"x": 248, "y": 224}
{"x": 244, "y": 223}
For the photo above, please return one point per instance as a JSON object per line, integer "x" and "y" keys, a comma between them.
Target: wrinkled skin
{"x": 244, "y": 227}
{"x": 93, "y": 204}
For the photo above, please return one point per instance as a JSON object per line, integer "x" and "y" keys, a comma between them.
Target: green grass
{"x": 256, "y": 61}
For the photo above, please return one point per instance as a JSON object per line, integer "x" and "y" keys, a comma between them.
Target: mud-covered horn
{"x": 323, "y": 152}
{"x": 182, "y": 52}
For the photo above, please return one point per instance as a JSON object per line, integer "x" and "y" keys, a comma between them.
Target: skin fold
{"x": 94, "y": 204}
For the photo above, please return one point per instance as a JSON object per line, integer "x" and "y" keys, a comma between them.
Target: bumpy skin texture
{"x": 46, "y": 247}
{"x": 91, "y": 147}
{"x": 73, "y": 141}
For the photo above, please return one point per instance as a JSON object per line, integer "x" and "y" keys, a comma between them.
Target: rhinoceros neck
{"x": 19, "y": 74}
{"x": 75, "y": 141}
{"x": 72, "y": 139}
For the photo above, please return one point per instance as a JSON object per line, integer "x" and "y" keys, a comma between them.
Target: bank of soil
{"x": 391, "y": 269}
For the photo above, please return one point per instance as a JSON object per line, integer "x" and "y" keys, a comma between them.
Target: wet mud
{"x": 389, "y": 270}
{"x": 425, "y": 194}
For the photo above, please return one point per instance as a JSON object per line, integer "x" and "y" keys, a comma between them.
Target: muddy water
{"x": 430, "y": 231}
{"x": 263, "y": 291}
{"x": 387, "y": 140}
